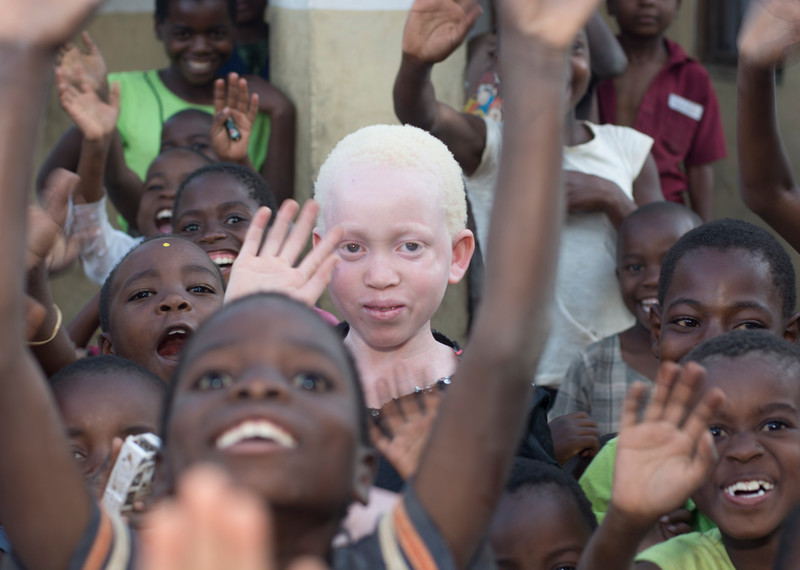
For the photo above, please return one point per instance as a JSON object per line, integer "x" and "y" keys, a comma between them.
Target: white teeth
{"x": 756, "y": 487}
{"x": 199, "y": 66}
{"x": 255, "y": 429}
{"x": 176, "y": 331}
{"x": 223, "y": 260}
{"x": 648, "y": 303}
{"x": 165, "y": 214}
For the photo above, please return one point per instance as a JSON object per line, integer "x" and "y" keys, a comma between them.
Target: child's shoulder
{"x": 690, "y": 551}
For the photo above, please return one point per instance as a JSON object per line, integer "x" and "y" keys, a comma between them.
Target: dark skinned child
{"x": 597, "y": 198}
{"x": 767, "y": 41}
{"x": 665, "y": 94}
{"x": 722, "y": 276}
{"x": 597, "y": 381}
{"x": 197, "y": 36}
{"x": 744, "y": 481}
{"x": 251, "y": 52}
{"x": 272, "y": 362}
{"x": 543, "y": 520}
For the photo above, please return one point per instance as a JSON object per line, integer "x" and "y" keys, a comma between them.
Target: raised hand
{"x": 270, "y": 267}
{"x": 771, "y": 32}
{"x": 83, "y": 63}
{"x": 46, "y": 223}
{"x": 573, "y": 434}
{"x": 232, "y": 100}
{"x": 553, "y": 22}
{"x": 96, "y": 119}
{"x": 664, "y": 457}
{"x": 211, "y": 524}
{"x": 400, "y": 429}
{"x": 435, "y": 28}
{"x": 43, "y": 23}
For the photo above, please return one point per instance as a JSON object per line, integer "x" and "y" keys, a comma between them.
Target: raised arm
{"x": 608, "y": 57}
{"x": 43, "y": 499}
{"x": 434, "y": 29}
{"x": 464, "y": 466}
{"x": 771, "y": 32}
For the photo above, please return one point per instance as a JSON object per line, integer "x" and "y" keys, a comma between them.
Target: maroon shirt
{"x": 681, "y": 113}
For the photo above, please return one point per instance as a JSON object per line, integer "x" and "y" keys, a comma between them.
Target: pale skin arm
{"x": 477, "y": 428}
{"x": 42, "y": 495}
{"x": 433, "y": 31}
{"x": 770, "y": 34}
{"x": 661, "y": 460}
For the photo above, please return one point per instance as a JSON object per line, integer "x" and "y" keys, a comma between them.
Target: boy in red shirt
{"x": 668, "y": 96}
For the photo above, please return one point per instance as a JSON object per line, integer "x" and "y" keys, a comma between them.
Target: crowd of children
{"x": 292, "y": 438}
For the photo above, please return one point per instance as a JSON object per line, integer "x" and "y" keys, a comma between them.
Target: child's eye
{"x": 633, "y": 267}
{"x": 201, "y": 289}
{"x": 235, "y": 219}
{"x": 190, "y": 228}
{"x": 352, "y": 247}
{"x": 716, "y": 431}
{"x": 154, "y": 187}
{"x": 200, "y": 146}
{"x": 213, "y": 381}
{"x": 78, "y": 455}
{"x": 412, "y": 246}
{"x": 750, "y": 325}
{"x": 686, "y": 322}
{"x": 564, "y": 567}
{"x": 143, "y": 294}
{"x": 180, "y": 34}
{"x": 219, "y": 34}
{"x": 311, "y": 382}
{"x": 774, "y": 425}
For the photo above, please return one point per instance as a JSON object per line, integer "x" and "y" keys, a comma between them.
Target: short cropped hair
{"x": 400, "y": 146}
{"x": 656, "y": 209}
{"x": 210, "y": 324}
{"x": 162, "y": 9}
{"x": 534, "y": 473}
{"x": 735, "y": 344}
{"x": 105, "y": 364}
{"x": 727, "y": 234}
{"x": 255, "y": 185}
{"x": 108, "y": 284}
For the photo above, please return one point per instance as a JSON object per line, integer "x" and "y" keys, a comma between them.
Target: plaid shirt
{"x": 596, "y": 383}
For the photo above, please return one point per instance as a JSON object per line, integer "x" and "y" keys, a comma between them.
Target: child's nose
{"x": 380, "y": 273}
{"x": 743, "y": 447}
{"x": 200, "y": 43}
{"x": 651, "y": 275}
{"x": 262, "y": 383}
{"x": 212, "y": 234}
{"x": 174, "y": 302}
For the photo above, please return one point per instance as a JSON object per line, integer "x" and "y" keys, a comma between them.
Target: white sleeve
{"x": 634, "y": 148}
{"x": 481, "y": 184}
{"x": 104, "y": 245}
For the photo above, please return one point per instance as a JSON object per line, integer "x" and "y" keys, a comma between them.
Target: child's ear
{"x": 364, "y": 476}
{"x": 463, "y": 248}
{"x": 655, "y": 330}
{"x": 791, "y": 331}
{"x": 158, "y": 27}
{"x": 104, "y": 344}
{"x": 316, "y": 237}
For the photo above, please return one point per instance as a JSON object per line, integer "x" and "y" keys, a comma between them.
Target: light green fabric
{"x": 145, "y": 103}
{"x": 693, "y": 551}
{"x": 596, "y": 483}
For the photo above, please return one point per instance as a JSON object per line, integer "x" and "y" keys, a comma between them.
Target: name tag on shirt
{"x": 685, "y": 107}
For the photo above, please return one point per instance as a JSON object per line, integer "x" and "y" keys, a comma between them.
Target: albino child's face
{"x": 754, "y": 485}
{"x": 397, "y": 256}
{"x": 538, "y": 528}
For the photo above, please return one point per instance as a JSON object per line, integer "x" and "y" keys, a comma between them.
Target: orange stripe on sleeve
{"x": 101, "y": 546}
{"x": 410, "y": 541}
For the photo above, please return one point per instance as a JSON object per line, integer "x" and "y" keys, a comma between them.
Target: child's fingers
{"x": 114, "y": 96}
{"x": 58, "y": 187}
{"x": 684, "y": 393}
{"x": 298, "y": 235}
{"x": 88, "y": 43}
{"x": 280, "y": 228}
{"x": 233, "y": 91}
{"x": 319, "y": 253}
{"x": 243, "y": 95}
{"x": 255, "y": 233}
{"x": 667, "y": 376}
{"x": 219, "y": 95}
{"x": 252, "y": 111}
{"x": 634, "y": 402}
{"x": 697, "y": 422}
{"x": 315, "y": 286}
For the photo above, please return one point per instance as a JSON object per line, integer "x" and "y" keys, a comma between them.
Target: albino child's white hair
{"x": 401, "y": 147}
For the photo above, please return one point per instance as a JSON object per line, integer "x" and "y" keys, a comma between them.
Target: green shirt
{"x": 692, "y": 551}
{"x": 146, "y": 103}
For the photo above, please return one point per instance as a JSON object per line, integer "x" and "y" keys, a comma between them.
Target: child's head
{"x": 643, "y": 19}
{"x": 214, "y": 206}
{"x": 543, "y": 519}
{"x": 250, "y": 11}
{"x": 164, "y": 176}
{"x": 643, "y": 240}
{"x": 754, "y": 485}
{"x": 722, "y": 276}
{"x": 399, "y": 195}
{"x": 102, "y": 398}
{"x": 154, "y": 299}
{"x": 189, "y": 128}
{"x": 197, "y": 36}
{"x": 267, "y": 390}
